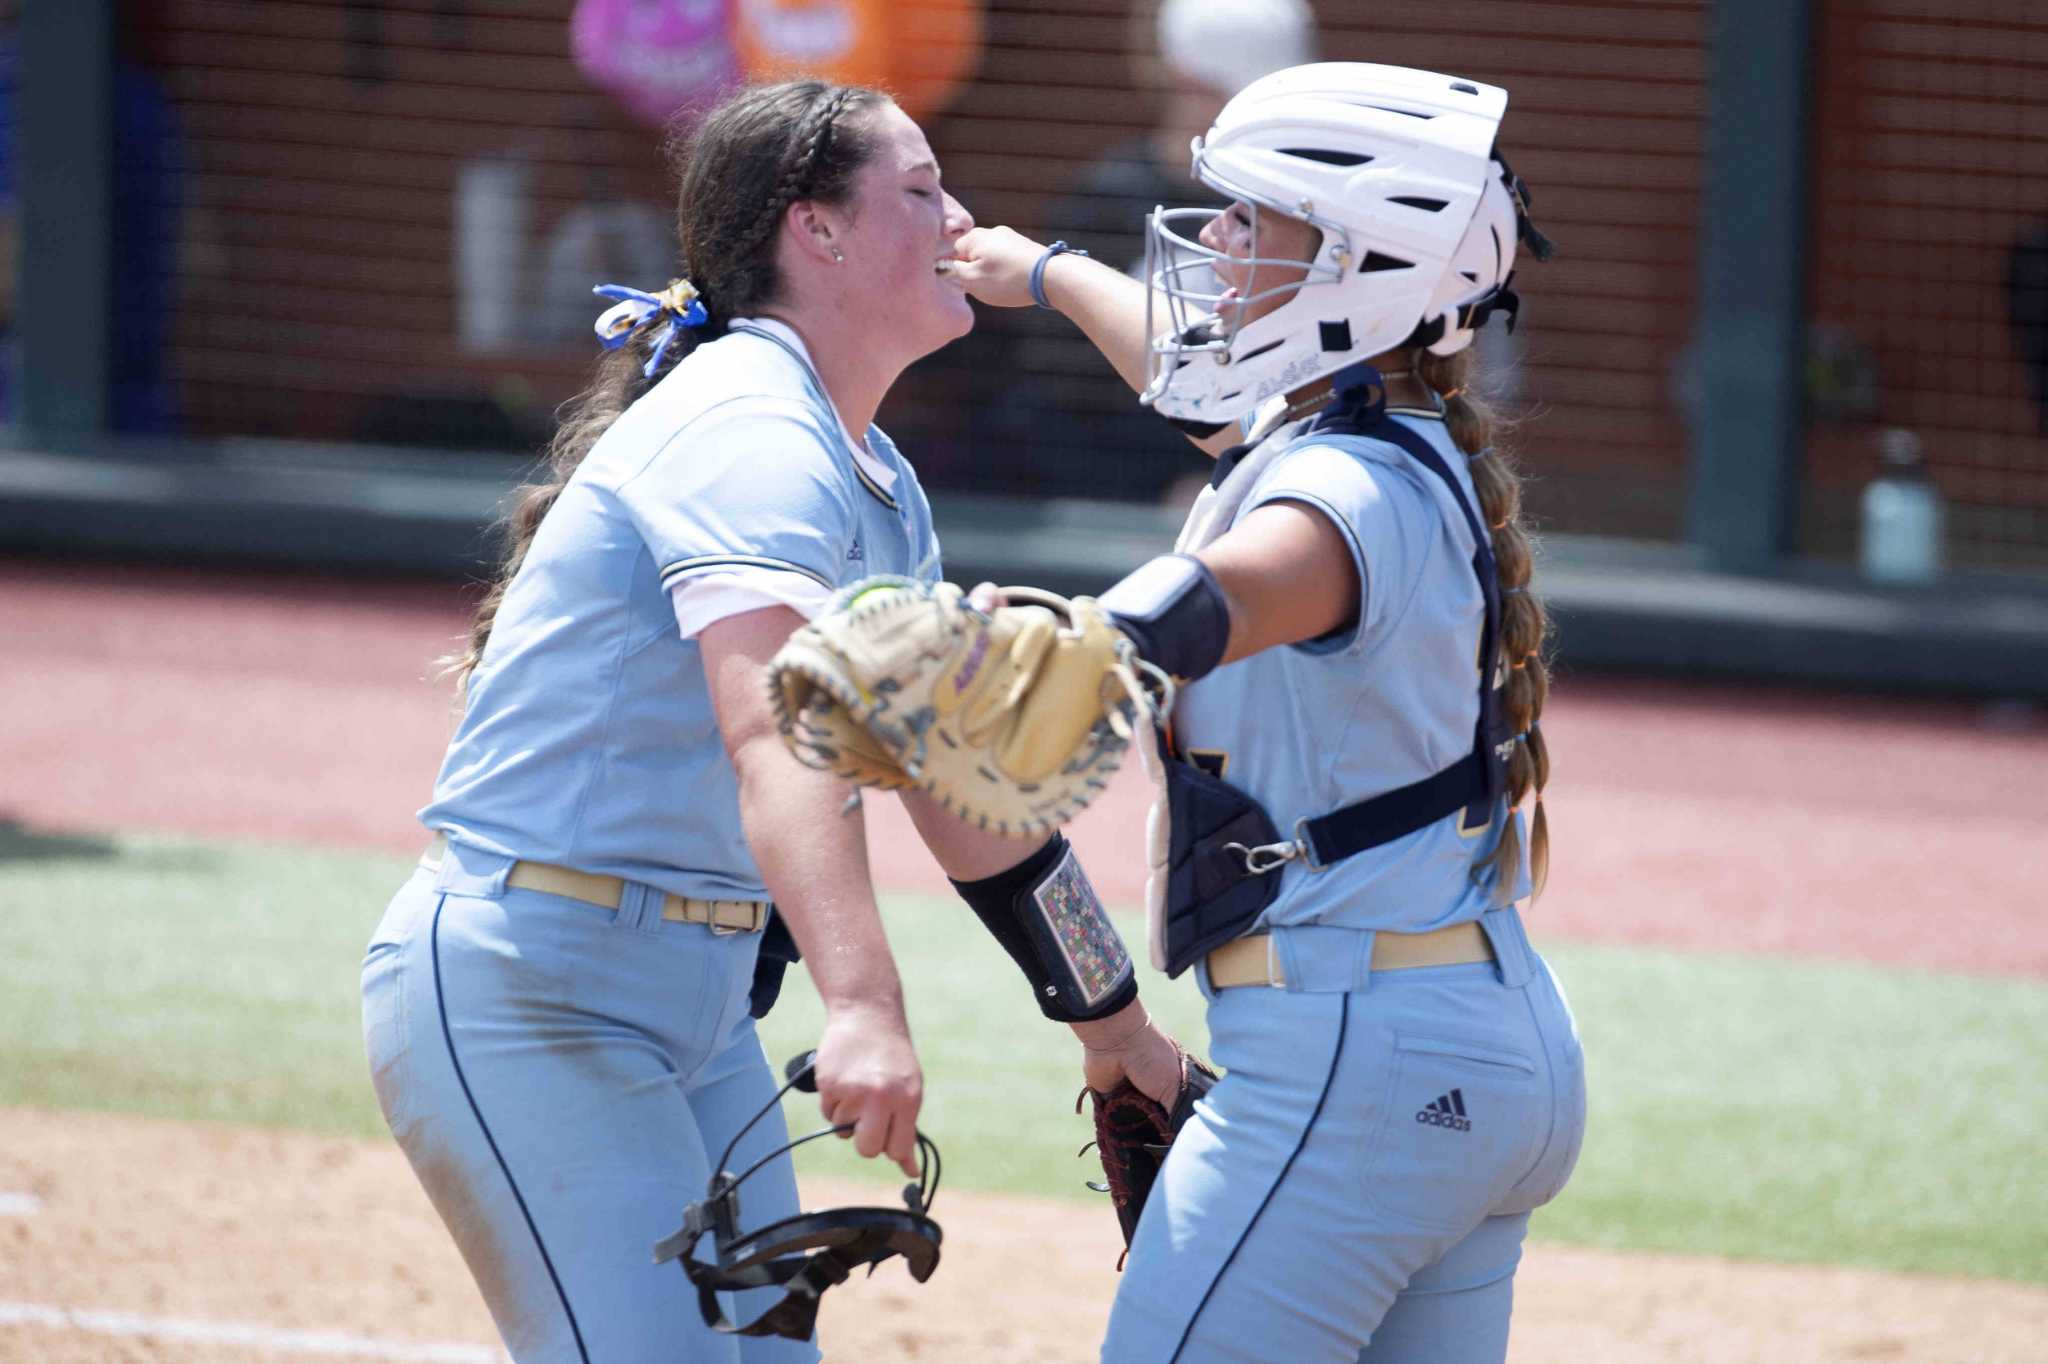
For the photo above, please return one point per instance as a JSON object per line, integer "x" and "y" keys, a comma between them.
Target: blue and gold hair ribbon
{"x": 674, "y": 308}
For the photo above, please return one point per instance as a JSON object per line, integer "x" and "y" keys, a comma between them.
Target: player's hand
{"x": 868, "y": 1077}
{"x": 994, "y": 266}
{"x": 1145, "y": 1056}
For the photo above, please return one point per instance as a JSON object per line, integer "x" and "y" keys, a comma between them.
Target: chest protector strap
{"x": 1475, "y": 782}
{"x": 1221, "y": 847}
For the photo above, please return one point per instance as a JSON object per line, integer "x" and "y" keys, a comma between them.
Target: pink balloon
{"x": 656, "y": 56}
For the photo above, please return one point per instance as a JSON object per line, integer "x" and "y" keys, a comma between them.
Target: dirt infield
{"x": 298, "y": 710}
{"x": 276, "y": 1233}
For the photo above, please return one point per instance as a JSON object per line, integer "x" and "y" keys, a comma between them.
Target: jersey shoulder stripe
{"x": 699, "y": 563}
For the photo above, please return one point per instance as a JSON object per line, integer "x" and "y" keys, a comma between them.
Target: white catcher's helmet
{"x": 1419, "y": 216}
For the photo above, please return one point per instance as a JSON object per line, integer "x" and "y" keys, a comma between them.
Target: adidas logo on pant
{"x": 1447, "y": 1111}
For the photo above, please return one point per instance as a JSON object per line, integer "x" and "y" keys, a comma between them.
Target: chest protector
{"x": 1223, "y": 852}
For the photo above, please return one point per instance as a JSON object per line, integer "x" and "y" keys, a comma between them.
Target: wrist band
{"x": 1038, "y": 271}
{"x": 1048, "y": 918}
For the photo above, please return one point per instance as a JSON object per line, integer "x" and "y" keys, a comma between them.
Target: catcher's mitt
{"x": 1133, "y": 1133}
{"x": 1014, "y": 720}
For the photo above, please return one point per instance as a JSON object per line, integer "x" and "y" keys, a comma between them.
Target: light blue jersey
{"x": 564, "y": 1074}
{"x": 588, "y": 739}
{"x": 1309, "y": 729}
{"x": 1392, "y": 1126}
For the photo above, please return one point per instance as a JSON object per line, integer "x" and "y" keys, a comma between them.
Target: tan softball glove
{"x": 1014, "y": 720}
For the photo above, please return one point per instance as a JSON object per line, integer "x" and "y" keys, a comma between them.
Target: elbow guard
{"x": 1048, "y": 918}
{"x": 1174, "y": 611}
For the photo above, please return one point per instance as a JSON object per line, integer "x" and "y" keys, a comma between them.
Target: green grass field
{"x": 1742, "y": 1106}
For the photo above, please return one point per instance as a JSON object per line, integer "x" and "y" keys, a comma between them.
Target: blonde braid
{"x": 1524, "y": 624}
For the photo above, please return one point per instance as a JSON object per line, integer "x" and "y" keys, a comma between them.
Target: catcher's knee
{"x": 1049, "y": 919}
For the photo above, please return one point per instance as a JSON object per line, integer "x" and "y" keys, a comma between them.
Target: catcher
{"x": 1337, "y": 848}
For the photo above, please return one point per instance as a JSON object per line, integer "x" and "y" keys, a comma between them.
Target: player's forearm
{"x": 812, "y": 853}
{"x": 1109, "y": 308}
{"x": 963, "y": 851}
{"x": 1011, "y": 885}
{"x": 970, "y": 854}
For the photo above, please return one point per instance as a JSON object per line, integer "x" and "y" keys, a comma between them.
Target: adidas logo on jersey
{"x": 856, "y": 553}
{"x": 1447, "y": 1111}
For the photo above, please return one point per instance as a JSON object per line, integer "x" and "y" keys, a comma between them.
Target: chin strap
{"x": 1190, "y": 427}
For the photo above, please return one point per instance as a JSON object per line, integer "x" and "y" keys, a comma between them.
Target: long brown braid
{"x": 1524, "y": 624}
{"x": 737, "y": 173}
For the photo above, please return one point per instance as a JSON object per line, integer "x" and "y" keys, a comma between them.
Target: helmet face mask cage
{"x": 1181, "y": 271}
{"x": 1419, "y": 216}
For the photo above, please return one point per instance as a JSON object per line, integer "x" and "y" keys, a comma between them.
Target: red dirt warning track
{"x": 291, "y": 708}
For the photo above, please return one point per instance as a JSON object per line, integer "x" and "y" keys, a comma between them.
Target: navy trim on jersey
{"x": 700, "y": 562}
{"x": 867, "y": 481}
{"x": 817, "y": 387}
{"x": 448, "y": 1036}
{"x": 1343, "y": 1026}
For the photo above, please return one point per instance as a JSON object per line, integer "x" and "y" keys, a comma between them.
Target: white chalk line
{"x": 19, "y": 1205}
{"x": 239, "y": 1333}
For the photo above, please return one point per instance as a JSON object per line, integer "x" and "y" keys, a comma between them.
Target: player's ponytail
{"x": 617, "y": 382}
{"x": 737, "y": 172}
{"x": 1525, "y": 625}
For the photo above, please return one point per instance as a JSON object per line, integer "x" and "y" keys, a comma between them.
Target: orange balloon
{"x": 917, "y": 50}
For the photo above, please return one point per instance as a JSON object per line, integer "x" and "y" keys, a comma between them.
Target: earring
{"x": 838, "y": 257}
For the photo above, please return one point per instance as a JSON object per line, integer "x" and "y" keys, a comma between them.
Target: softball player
{"x": 558, "y": 1006}
{"x": 1403, "y": 1078}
